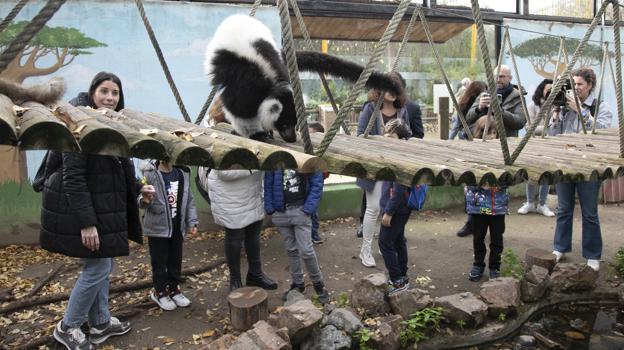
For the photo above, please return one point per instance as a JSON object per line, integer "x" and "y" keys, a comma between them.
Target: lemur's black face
{"x": 287, "y": 120}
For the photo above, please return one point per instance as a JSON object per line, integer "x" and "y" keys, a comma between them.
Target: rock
{"x": 502, "y": 295}
{"x": 569, "y": 277}
{"x": 604, "y": 323}
{"x": 262, "y": 337}
{"x": 222, "y": 343}
{"x": 344, "y": 320}
{"x": 532, "y": 327}
{"x": 293, "y": 296}
{"x": 388, "y": 334}
{"x": 539, "y": 257}
{"x": 370, "y": 294}
{"x": 526, "y": 340}
{"x": 327, "y": 338}
{"x": 300, "y": 318}
{"x": 534, "y": 284}
{"x": 408, "y": 302}
{"x": 463, "y": 306}
{"x": 329, "y": 308}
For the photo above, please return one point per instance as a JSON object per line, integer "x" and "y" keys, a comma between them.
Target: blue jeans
{"x": 89, "y": 298}
{"x": 393, "y": 246}
{"x": 531, "y": 190}
{"x": 588, "y": 198}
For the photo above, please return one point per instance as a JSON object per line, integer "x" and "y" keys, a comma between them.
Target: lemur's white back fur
{"x": 237, "y": 33}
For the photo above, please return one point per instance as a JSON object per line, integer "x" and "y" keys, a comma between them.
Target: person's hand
{"x": 571, "y": 104}
{"x": 386, "y": 219}
{"x": 147, "y": 191}
{"x": 193, "y": 231}
{"x": 484, "y": 101}
{"x": 90, "y": 238}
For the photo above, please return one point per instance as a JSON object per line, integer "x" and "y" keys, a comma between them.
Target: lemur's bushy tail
{"x": 338, "y": 67}
{"x": 45, "y": 93}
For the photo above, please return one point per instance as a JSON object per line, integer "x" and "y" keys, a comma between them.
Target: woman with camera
{"x": 568, "y": 121}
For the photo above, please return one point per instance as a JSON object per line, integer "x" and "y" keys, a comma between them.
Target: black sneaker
{"x": 494, "y": 273}
{"x": 263, "y": 281}
{"x": 475, "y": 273}
{"x": 466, "y": 230}
{"x": 72, "y": 338}
{"x": 360, "y": 231}
{"x": 322, "y": 293}
{"x": 318, "y": 240}
{"x": 116, "y": 327}
{"x": 398, "y": 286}
{"x": 299, "y": 287}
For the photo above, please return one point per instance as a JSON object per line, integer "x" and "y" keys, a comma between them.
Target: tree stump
{"x": 248, "y": 305}
{"x": 540, "y": 257}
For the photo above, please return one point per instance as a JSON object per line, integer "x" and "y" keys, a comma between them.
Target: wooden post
{"x": 248, "y": 305}
{"x": 443, "y": 117}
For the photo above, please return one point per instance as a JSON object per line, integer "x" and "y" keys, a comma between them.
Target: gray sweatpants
{"x": 296, "y": 229}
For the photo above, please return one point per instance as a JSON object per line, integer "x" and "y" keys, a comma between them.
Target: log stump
{"x": 248, "y": 305}
{"x": 540, "y": 257}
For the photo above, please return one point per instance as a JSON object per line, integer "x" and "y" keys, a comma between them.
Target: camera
{"x": 560, "y": 100}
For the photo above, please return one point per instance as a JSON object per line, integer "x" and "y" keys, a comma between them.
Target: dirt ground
{"x": 438, "y": 260}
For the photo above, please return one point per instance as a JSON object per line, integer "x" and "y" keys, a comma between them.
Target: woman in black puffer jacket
{"x": 90, "y": 211}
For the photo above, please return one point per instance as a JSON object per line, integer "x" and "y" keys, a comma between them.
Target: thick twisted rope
{"x": 515, "y": 66}
{"x": 618, "y": 70}
{"x": 395, "y": 66}
{"x": 293, "y": 71}
{"x": 559, "y": 83}
{"x": 310, "y": 46}
{"x": 495, "y": 104}
{"x": 23, "y": 38}
{"x": 213, "y": 91}
{"x": 460, "y": 115}
{"x": 603, "y": 68}
{"x": 11, "y": 16}
{"x": 161, "y": 59}
{"x": 359, "y": 84}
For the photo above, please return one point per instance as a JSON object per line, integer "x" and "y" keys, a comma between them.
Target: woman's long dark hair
{"x": 539, "y": 92}
{"x": 99, "y": 79}
{"x": 470, "y": 95}
{"x": 401, "y": 100}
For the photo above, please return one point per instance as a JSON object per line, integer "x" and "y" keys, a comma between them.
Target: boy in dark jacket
{"x": 395, "y": 213}
{"x": 488, "y": 207}
{"x": 292, "y": 198}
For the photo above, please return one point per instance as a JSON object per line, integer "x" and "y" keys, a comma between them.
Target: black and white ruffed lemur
{"x": 45, "y": 93}
{"x": 244, "y": 61}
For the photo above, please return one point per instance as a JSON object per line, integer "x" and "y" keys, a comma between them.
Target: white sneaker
{"x": 594, "y": 264}
{"x": 544, "y": 210}
{"x": 180, "y": 300}
{"x": 367, "y": 260}
{"x": 163, "y": 300}
{"x": 558, "y": 255}
{"x": 526, "y": 208}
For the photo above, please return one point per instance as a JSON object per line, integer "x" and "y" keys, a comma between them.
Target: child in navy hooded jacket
{"x": 488, "y": 206}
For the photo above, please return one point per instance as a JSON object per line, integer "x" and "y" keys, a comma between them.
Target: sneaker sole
{"x": 154, "y": 299}
{"x": 103, "y": 339}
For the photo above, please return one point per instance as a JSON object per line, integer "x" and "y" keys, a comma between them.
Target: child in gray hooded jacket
{"x": 169, "y": 215}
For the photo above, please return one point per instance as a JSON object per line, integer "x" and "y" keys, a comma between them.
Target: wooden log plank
{"x": 8, "y": 134}
{"x": 248, "y": 305}
{"x": 141, "y": 146}
{"x": 39, "y": 129}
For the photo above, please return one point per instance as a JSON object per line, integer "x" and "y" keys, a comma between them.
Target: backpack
{"x": 44, "y": 170}
{"x": 417, "y": 196}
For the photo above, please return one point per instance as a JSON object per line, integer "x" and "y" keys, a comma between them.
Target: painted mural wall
{"x": 536, "y": 54}
{"x": 85, "y": 37}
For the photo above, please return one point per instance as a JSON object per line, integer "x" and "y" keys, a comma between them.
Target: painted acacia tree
{"x": 50, "y": 50}
{"x": 543, "y": 52}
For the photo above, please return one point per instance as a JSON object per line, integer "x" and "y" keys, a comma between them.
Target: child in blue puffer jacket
{"x": 488, "y": 205}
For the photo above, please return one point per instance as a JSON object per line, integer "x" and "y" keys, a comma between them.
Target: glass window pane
{"x": 497, "y": 5}
{"x": 563, "y": 8}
